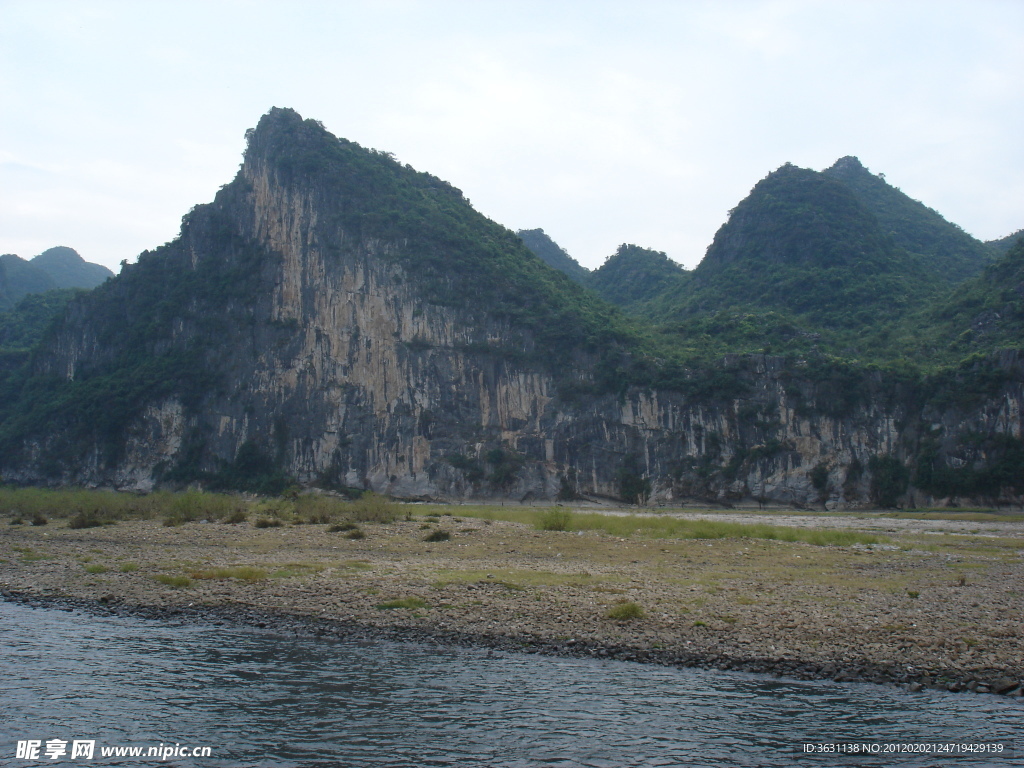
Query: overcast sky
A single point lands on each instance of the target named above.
(601, 122)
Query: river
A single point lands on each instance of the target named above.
(249, 698)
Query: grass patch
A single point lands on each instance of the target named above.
(407, 603)
(438, 535)
(625, 612)
(95, 568)
(968, 515)
(342, 527)
(355, 534)
(515, 578)
(664, 527)
(291, 570)
(129, 567)
(173, 581)
(267, 522)
(242, 572)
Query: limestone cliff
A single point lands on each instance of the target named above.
(307, 325)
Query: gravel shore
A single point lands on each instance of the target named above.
(941, 605)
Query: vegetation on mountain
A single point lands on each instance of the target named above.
(949, 252)
(633, 276)
(548, 251)
(24, 325)
(1003, 244)
(69, 270)
(22, 278)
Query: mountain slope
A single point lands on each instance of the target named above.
(914, 227)
(548, 251)
(69, 270)
(1003, 244)
(980, 316)
(23, 278)
(633, 276)
(803, 244)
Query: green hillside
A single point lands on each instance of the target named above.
(548, 251)
(69, 270)
(634, 276)
(947, 250)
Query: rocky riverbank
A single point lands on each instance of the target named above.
(936, 605)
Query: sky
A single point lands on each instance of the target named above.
(601, 122)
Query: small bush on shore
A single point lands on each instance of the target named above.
(438, 535)
(355, 533)
(38, 519)
(267, 522)
(555, 519)
(342, 527)
(625, 612)
(92, 519)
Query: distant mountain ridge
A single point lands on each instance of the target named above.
(58, 267)
(808, 260)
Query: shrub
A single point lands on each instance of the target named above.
(342, 527)
(554, 519)
(267, 522)
(355, 534)
(38, 519)
(93, 519)
(438, 535)
(625, 612)
(236, 517)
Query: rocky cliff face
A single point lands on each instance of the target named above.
(294, 342)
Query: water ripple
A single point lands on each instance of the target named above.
(268, 701)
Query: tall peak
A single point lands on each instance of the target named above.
(847, 166)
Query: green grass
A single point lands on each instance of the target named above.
(408, 603)
(625, 612)
(969, 515)
(664, 527)
(242, 572)
(87, 508)
(96, 568)
(129, 567)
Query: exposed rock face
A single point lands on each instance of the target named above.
(328, 362)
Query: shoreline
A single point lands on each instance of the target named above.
(339, 629)
(507, 587)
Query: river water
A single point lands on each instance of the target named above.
(258, 699)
